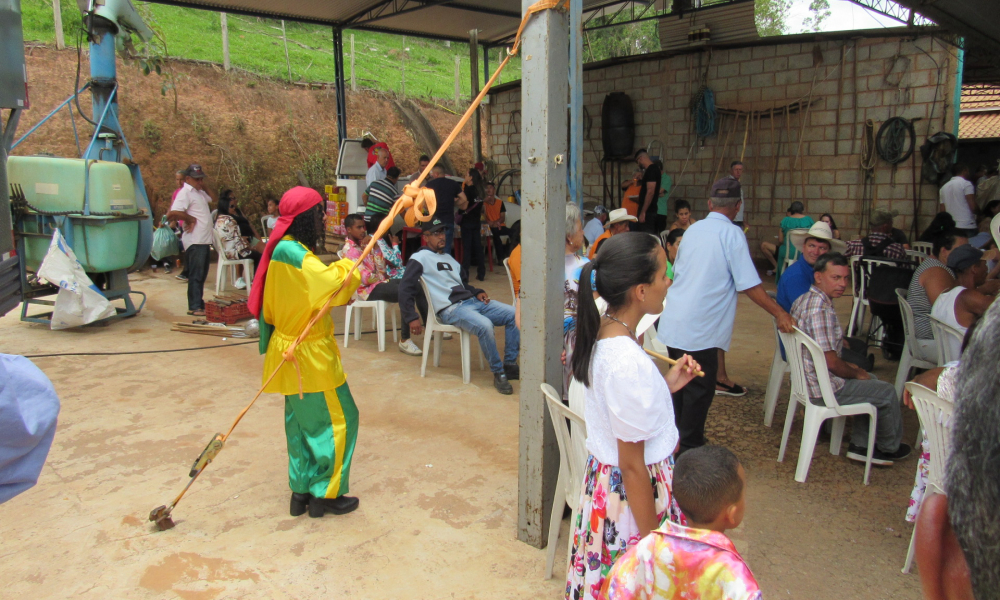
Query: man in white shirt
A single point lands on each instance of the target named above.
(595, 227)
(958, 198)
(713, 264)
(377, 171)
(191, 206)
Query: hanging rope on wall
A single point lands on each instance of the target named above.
(703, 110)
(867, 166)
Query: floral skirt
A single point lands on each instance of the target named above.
(604, 528)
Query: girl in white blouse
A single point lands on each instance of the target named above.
(629, 412)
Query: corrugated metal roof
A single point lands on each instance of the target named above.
(496, 20)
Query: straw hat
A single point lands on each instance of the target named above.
(820, 231)
(617, 216)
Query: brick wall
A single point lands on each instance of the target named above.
(895, 77)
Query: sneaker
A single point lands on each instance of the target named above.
(408, 347)
(446, 336)
(502, 385)
(240, 284)
(166, 269)
(880, 458)
(512, 371)
(180, 277)
(729, 390)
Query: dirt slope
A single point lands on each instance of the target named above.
(250, 134)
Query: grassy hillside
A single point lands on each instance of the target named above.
(381, 61)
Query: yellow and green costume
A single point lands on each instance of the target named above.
(321, 427)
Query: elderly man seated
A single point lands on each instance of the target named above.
(851, 384)
(879, 242)
(457, 303)
(798, 277)
(618, 222)
(961, 305)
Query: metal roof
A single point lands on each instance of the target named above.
(496, 20)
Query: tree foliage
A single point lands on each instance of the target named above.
(772, 16)
(820, 10)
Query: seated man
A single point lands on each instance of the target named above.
(380, 196)
(595, 226)
(930, 279)
(963, 304)
(879, 242)
(618, 222)
(697, 561)
(457, 303)
(377, 283)
(494, 209)
(851, 384)
(798, 277)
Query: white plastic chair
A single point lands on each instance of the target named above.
(378, 316)
(925, 248)
(915, 355)
(221, 270)
(935, 419)
(995, 229)
(578, 404)
(792, 254)
(264, 229)
(436, 329)
(571, 465)
(510, 281)
(948, 341)
(779, 366)
(816, 414)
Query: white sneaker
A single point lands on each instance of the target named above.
(446, 336)
(240, 284)
(408, 347)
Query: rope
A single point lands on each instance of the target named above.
(867, 165)
(419, 204)
(703, 108)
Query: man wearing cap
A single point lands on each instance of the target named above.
(879, 242)
(618, 222)
(457, 303)
(713, 264)
(649, 192)
(963, 304)
(595, 227)
(191, 206)
(798, 277)
(958, 198)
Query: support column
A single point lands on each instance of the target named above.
(576, 102)
(340, 81)
(477, 143)
(543, 176)
(224, 23)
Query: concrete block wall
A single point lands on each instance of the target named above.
(802, 156)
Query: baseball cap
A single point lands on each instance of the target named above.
(883, 216)
(727, 187)
(617, 216)
(963, 257)
(432, 226)
(194, 171)
(600, 210)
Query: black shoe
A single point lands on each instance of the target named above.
(871, 365)
(878, 457)
(512, 371)
(298, 504)
(340, 505)
(502, 385)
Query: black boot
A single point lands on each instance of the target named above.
(337, 506)
(298, 504)
(512, 371)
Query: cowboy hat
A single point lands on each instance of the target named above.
(820, 231)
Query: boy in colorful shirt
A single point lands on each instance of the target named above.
(695, 562)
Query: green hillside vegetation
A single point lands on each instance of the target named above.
(382, 61)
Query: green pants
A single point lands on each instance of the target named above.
(321, 429)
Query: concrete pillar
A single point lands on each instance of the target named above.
(477, 150)
(544, 92)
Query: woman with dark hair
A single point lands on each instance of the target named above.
(828, 219)
(673, 241)
(470, 211)
(629, 411)
(942, 223)
(321, 424)
(235, 244)
(682, 210)
(776, 253)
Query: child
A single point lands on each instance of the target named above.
(697, 561)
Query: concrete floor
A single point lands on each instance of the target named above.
(435, 468)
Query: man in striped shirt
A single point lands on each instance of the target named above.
(381, 195)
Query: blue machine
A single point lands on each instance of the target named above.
(93, 222)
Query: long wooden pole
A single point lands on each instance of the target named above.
(669, 361)
(284, 40)
(224, 22)
(57, 18)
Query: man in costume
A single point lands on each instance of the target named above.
(321, 419)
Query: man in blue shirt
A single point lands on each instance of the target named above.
(798, 277)
(713, 265)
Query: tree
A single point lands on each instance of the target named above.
(771, 16)
(820, 10)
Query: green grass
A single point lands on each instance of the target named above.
(381, 60)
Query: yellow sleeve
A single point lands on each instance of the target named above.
(323, 280)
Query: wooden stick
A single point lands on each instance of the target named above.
(840, 98)
(670, 361)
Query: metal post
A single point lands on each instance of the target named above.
(543, 176)
(477, 149)
(284, 41)
(224, 21)
(576, 101)
(340, 82)
(957, 100)
(486, 63)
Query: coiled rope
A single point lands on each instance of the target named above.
(891, 142)
(703, 109)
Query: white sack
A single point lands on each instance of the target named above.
(79, 301)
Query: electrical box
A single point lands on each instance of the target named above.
(13, 76)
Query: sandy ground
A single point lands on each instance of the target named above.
(435, 468)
